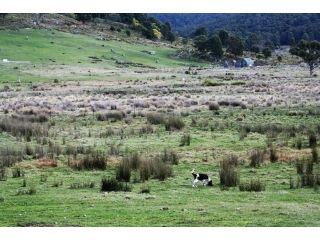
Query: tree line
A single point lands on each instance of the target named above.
(149, 27)
(212, 46)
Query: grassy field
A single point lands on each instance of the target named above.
(67, 130)
(31, 49)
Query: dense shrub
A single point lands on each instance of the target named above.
(174, 122)
(255, 185)
(213, 106)
(229, 175)
(155, 118)
(112, 185)
(112, 115)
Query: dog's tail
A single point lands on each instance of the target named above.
(210, 182)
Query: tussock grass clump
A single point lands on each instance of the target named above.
(78, 185)
(145, 169)
(29, 150)
(112, 115)
(114, 149)
(306, 176)
(169, 156)
(209, 83)
(9, 155)
(31, 191)
(3, 173)
(300, 167)
(273, 155)
(155, 118)
(112, 185)
(310, 180)
(43, 178)
(31, 117)
(312, 140)
(174, 123)
(123, 171)
(23, 128)
(57, 183)
(24, 183)
(298, 143)
(255, 185)
(315, 155)
(95, 160)
(238, 83)
(185, 140)
(145, 189)
(108, 133)
(256, 158)
(134, 160)
(17, 172)
(213, 106)
(146, 129)
(229, 175)
(161, 170)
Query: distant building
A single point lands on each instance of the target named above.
(244, 62)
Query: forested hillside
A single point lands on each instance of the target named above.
(279, 28)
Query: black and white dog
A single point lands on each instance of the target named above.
(206, 180)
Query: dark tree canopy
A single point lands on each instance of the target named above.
(200, 42)
(3, 15)
(252, 42)
(223, 35)
(309, 51)
(235, 45)
(201, 31)
(266, 52)
(214, 45)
